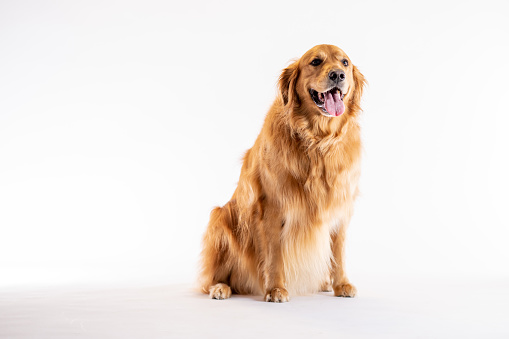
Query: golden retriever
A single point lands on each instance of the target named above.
(283, 231)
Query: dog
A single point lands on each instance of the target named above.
(283, 231)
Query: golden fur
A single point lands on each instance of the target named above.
(283, 230)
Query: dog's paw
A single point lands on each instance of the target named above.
(345, 290)
(277, 295)
(220, 291)
(326, 287)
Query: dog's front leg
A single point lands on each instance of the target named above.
(340, 282)
(274, 271)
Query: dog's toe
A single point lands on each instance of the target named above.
(345, 290)
(326, 287)
(220, 291)
(277, 295)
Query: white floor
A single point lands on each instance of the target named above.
(382, 310)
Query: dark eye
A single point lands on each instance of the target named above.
(345, 62)
(316, 62)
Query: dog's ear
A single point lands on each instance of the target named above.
(359, 84)
(287, 82)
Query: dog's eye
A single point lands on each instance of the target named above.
(316, 62)
(345, 62)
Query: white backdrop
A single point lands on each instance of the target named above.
(123, 123)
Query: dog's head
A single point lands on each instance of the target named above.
(323, 82)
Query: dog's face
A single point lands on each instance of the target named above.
(323, 81)
(326, 74)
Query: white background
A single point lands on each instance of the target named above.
(123, 123)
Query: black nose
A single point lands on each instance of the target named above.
(335, 75)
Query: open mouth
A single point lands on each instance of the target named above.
(330, 102)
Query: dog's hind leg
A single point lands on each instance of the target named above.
(326, 284)
(218, 255)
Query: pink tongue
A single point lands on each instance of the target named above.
(333, 103)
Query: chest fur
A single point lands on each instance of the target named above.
(316, 204)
